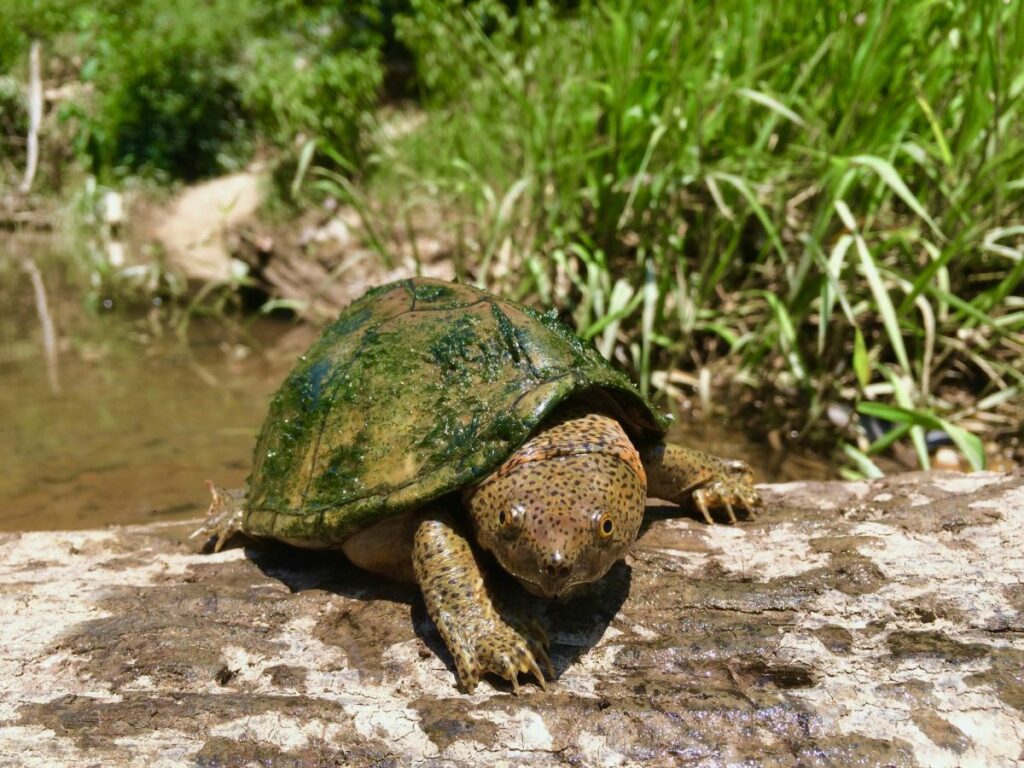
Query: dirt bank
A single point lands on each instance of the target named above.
(317, 264)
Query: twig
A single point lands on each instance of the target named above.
(46, 321)
(35, 117)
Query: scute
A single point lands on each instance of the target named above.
(419, 388)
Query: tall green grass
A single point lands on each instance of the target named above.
(817, 203)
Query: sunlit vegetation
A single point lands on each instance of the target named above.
(184, 89)
(813, 214)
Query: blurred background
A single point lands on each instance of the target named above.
(798, 227)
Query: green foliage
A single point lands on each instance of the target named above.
(13, 110)
(23, 20)
(189, 88)
(168, 101)
(826, 197)
(317, 78)
(817, 203)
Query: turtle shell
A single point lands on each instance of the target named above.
(419, 388)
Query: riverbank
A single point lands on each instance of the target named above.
(314, 263)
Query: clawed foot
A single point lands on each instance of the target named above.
(732, 489)
(224, 518)
(506, 651)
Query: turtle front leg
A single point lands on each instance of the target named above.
(684, 475)
(479, 638)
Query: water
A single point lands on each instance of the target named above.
(141, 419)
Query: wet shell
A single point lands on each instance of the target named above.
(418, 389)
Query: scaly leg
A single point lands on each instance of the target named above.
(683, 475)
(224, 518)
(478, 637)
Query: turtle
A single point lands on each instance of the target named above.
(433, 429)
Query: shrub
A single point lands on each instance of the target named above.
(317, 78)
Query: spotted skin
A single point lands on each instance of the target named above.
(564, 507)
(687, 476)
(479, 638)
(557, 514)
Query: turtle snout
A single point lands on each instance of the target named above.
(557, 566)
(557, 572)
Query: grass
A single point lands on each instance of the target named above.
(818, 207)
(810, 213)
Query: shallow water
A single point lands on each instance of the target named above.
(141, 418)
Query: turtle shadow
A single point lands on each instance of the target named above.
(328, 570)
(367, 624)
(576, 625)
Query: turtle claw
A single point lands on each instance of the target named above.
(729, 493)
(539, 644)
(537, 674)
(509, 651)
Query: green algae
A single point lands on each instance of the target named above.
(418, 389)
(430, 292)
(348, 323)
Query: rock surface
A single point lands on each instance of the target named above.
(215, 233)
(870, 623)
(193, 228)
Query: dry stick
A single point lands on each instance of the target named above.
(46, 321)
(35, 116)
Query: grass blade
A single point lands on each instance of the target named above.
(970, 445)
(787, 338)
(650, 293)
(741, 186)
(894, 181)
(902, 389)
(861, 366)
(933, 123)
(773, 104)
(877, 286)
(865, 465)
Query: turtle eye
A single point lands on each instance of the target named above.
(507, 518)
(605, 526)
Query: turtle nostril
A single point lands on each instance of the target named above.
(557, 567)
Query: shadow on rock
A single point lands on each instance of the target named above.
(376, 613)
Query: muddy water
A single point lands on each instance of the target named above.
(139, 418)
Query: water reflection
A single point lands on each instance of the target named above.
(140, 419)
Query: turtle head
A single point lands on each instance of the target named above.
(559, 522)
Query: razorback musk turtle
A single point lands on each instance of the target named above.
(432, 420)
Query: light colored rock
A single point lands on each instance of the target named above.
(212, 233)
(195, 228)
(875, 623)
